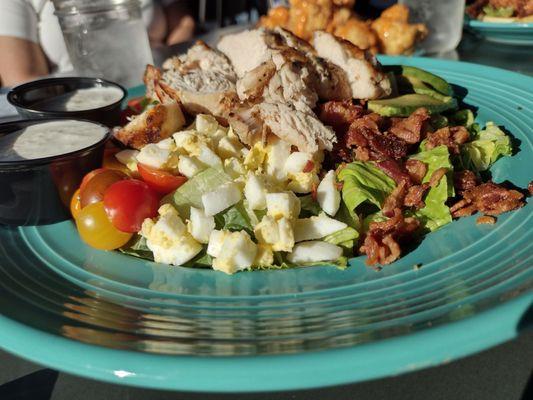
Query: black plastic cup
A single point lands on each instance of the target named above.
(38, 191)
(27, 97)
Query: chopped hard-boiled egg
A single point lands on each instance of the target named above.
(168, 238)
(255, 192)
(264, 256)
(153, 156)
(189, 166)
(255, 157)
(166, 144)
(237, 252)
(284, 204)
(302, 182)
(316, 227)
(206, 124)
(200, 226)
(234, 168)
(229, 147)
(128, 157)
(327, 194)
(216, 239)
(297, 162)
(314, 251)
(186, 141)
(208, 156)
(276, 233)
(277, 154)
(225, 196)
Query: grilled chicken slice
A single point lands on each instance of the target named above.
(366, 79)
(329, 80)
(301, 129)
(247, 124)
(202, 81)
(154, 124)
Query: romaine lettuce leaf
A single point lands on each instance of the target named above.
(309, 207)
(502, 12)
(364, 182)
(436, 213)
(490, 144)
(234, 219)
(137, 247)
(190, 193)
(347, 234)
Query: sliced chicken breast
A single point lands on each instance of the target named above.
(366, 79)
(301, 129)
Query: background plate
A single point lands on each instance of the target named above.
(112, 317)
(517, 33)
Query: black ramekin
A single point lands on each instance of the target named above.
(25, 96)
(38, 191)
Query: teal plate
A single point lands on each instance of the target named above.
(515, 33)
(112, 317)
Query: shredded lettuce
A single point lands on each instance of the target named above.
(501, 12)
(345, 238)
(309, 207)
(488, 146)
(137, 247)
(364, 182)
(234, 219)
(190, 193)
(436, 213)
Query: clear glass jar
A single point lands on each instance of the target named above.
(105, 38)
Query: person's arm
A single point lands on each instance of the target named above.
(20, 60)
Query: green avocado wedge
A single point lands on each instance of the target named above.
(410, 84)
(405, 105)
(436, 82)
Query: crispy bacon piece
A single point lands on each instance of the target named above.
(415, 195)
(395, 199)
(452, 137)
(436, 176)
(413, 128)
(395, 171)
(416, 170)
(464, 180)
(382, 241)
(365, 132)
(486, 219)
(488, 198)
(340, 114)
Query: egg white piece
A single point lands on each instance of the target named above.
(255, 192)
(238, 252)
(225, 196)
(327, 194)
(153, 156)
(200, 226)
(284, 204)
(296, 162)
(128, 157)
(314, 251)
(316, 227)
(189, 166)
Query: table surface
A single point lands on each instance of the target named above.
(504, 372)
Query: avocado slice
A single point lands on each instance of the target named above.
(439, 84)
(410, 84)
(405, 105)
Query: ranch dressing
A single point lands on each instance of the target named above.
(81, 99)
(49, 139)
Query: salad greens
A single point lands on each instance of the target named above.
(487, 147)
(362, 182)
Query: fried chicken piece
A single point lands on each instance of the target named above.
(395, 34)
(277, 16)
(340, 16)
(308, 16)
(359, 33)
(153, 125)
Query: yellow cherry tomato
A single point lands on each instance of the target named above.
(96, 229)
(75, 204)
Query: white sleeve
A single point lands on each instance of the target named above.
(19, 19)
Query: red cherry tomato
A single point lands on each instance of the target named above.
(128, 202)
(89, 176)
(94, 189)
(309, 166)
(161, 181)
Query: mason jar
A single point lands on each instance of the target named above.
(105, 38)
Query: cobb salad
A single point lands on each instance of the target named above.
(299, 172)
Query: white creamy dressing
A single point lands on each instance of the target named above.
(49, 139)
(81, 99)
